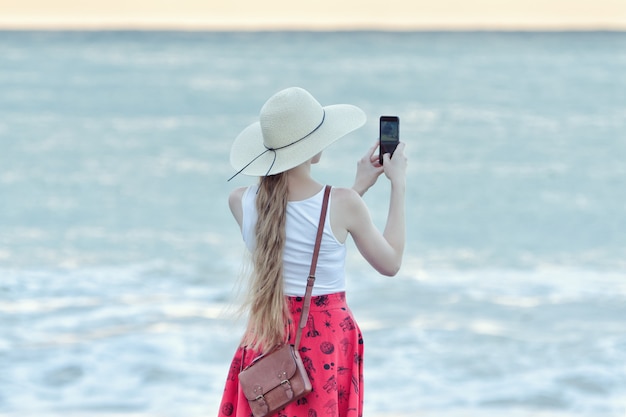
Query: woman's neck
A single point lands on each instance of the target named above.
(300, 183)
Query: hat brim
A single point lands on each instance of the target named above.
(248, 149)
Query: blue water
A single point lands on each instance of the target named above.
(119, 258)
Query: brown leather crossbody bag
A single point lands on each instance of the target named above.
(279, 377)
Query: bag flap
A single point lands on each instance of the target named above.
(267, 372)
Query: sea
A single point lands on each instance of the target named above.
(120, 263)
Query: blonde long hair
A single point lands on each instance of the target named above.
(268, 314)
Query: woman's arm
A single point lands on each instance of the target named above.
(383, 251)
(368, 169)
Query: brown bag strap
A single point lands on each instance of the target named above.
(311, 279)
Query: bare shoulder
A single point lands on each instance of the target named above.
(236, 195)
(344, 195)
(234, 202)
(346, 198)
(348, 207)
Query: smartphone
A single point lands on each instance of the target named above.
(389, 135)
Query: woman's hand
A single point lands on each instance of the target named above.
(368, 170)
(384, 251)
(395, 168)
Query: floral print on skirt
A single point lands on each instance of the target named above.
(332, 352)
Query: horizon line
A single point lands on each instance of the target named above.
(239, 26)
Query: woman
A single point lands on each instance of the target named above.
(279, 219)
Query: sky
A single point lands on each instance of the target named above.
(318, 14)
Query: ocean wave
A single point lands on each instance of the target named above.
(550, 341)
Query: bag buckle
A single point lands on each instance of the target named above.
(259, 391)
(282, 377)
(260, 400)
(284, 382)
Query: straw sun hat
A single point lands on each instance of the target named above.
(292, 128)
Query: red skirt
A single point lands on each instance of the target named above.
(332, 352)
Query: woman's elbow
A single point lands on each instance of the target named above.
(391, 269)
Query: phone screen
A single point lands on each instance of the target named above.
(389, 135)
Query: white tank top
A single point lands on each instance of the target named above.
(301, 228)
